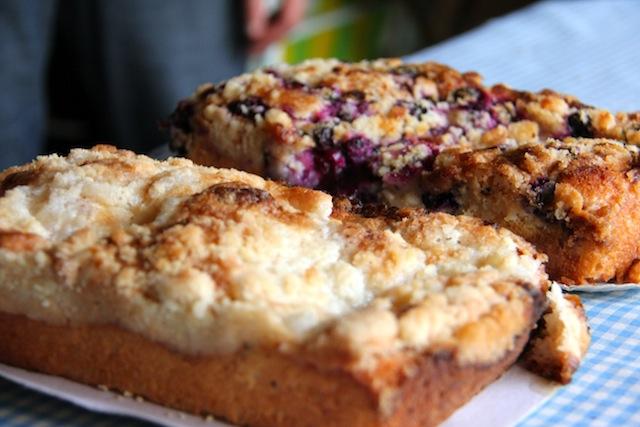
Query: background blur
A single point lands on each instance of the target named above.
(358, 29)
(79, 72)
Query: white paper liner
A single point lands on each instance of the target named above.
(104, 401)
(600, 287)
(522, 390)
(505, 402)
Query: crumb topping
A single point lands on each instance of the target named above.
(552, 176)
(210, 260)
(399, 117)
(576, 199)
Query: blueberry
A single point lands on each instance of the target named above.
(181, 117)
(414, 108)
(418, 110)
(543, 191)
(331, 110)
(443, 202)
(404, 175)
(580, 124)
(359, 149)
(330, 163)
(347, 111)
(347, 106)
(467, 97)
(307, 176)
(323, 136)
(362, 108)
(248, 108)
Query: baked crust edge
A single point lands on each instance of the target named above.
(255, 387)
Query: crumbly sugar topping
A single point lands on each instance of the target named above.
(379, 124)
(209, 260)
(551, 175)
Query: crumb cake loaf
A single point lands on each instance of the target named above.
(217, 292)
(373, 130)
(578, 200)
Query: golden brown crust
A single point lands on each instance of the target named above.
(16, 241)
(577, 200)
(253, 387)
(237, 275)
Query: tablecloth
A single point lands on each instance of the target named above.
(590, 49)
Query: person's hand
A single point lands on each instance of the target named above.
(262, 29)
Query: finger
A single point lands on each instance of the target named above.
(290, 15)
(292, 12)
(271, 35)
(255, 19)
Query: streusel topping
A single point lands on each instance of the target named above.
(210, 260)
(357, 128)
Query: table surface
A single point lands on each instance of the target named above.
(586, 48)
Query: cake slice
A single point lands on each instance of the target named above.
(217, 292)
(577, 200)
(560, 343)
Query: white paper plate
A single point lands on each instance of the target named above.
(601, 287)
(523, 390)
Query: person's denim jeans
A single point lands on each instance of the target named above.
(135, 59)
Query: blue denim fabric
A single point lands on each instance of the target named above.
(131, 61)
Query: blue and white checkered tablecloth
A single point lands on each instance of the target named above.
(21, 407)
(587, 48)
(606, 389)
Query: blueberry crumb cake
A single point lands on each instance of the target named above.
(218, 292)
(374, 129)
(577, 200)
